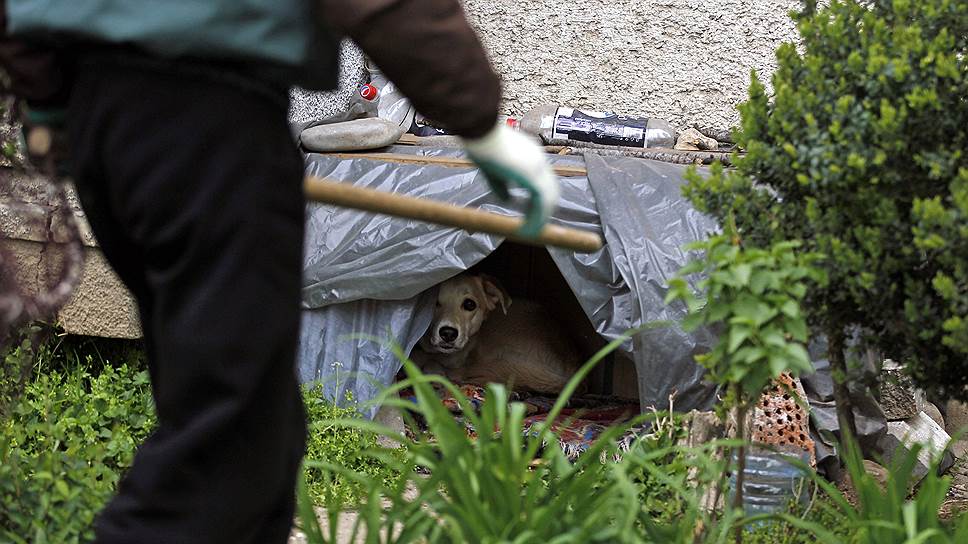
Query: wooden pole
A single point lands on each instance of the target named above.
(440, 213)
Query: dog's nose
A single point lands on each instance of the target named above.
(448, 334)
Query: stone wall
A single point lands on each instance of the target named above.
(100, 306)
(687, 61)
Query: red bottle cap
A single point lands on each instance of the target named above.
(369, 92)
(512, 122)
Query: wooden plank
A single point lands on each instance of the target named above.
(450, 162)
(442, 213)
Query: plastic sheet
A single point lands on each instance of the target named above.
(370, 274)
(352, 256)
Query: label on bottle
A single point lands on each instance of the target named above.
(600, 128)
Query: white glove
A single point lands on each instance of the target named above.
(506, 158)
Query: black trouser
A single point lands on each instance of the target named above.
(193, 188)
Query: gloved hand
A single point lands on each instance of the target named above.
(507, 158)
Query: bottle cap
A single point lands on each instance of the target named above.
(512, 122)
(369, 92)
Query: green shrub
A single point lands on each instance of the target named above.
(65, 440)
(506, 486)
(339, 445)
(861, 154)
(891, 513)
(752, 297)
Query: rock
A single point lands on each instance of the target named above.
(899, 399)
(693, 140)
(356, 135)
(877, 471)
(781, 420)
(959, 449)
(919, 429)
(932, 411)
(389, 417)
(701, 428)
(956, 417)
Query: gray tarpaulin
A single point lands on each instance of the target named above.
(364, 273)
(369, 274)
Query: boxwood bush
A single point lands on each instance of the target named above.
(860, 152)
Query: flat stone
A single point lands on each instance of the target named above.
(876, 470)
(934, 413)
(389, 417)
(356, 135)
(693, 140)
(956, 417)
(920, 429)
(24, 221)
(959, 449)
(701, 428)
(899, 399)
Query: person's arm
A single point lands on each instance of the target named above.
(428, 49)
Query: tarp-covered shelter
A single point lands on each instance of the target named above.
(374, 275)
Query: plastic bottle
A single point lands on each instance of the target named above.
(561, 125)
(770, 482)
(390, 102)
(364, 103)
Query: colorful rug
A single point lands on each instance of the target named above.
(579, 425)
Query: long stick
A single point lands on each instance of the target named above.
(430, 211)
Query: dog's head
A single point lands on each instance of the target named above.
(463, 302)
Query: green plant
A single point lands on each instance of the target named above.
(860, 153)
(509, 486)
(339, 445)
(888, 513)
(821, 512)
(752, 296)
(66, 438)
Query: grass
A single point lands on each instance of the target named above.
(74, 410)
(346, 447)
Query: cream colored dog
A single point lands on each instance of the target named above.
(469, 341)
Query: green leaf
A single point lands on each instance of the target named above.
(62, 488)
(742, 273)
(790, 308)
(797, 329)
(737, 335)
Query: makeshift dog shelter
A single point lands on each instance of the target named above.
(368, 276)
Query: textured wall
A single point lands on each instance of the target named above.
(101, 306)
(687, 61)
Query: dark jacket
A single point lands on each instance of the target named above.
(425, 46)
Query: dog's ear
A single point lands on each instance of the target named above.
(494, 293)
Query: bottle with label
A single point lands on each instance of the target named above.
(364, 103)
(560, 125)
(390, 102)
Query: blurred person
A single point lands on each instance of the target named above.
(172, 118)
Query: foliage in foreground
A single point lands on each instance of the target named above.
(507, 487)
(890, 513)
(70, 422)
(66, 437)
(503, 486)
(342, 446)
(752, 297)
(861, 154)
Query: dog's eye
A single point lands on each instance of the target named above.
(469, 305)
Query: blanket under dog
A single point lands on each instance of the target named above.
(579, 425)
